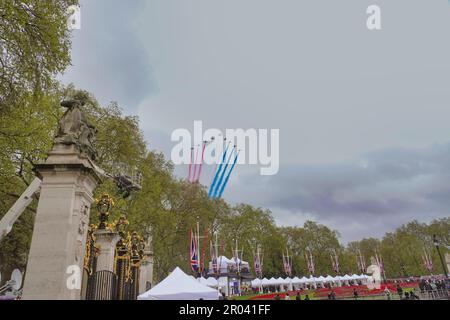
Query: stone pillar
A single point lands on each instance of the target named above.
(447, 261)
(146, 274)
(106, 240)
(55, 260)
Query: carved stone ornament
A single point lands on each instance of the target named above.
(73, 128)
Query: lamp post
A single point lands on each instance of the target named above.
(436, 244)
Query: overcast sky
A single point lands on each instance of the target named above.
(363, 115)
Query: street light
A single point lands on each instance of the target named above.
(436, 244)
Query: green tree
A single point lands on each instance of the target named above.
(34, 48)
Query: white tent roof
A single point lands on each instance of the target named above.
(296, 280)
(320, 279)
(256, 283)
(329, 278)
(210, 282)
(179, 286)
(234, 260)
(280, 280)
(346, 277)
(303, 279)
(265, 282)
(355, 276)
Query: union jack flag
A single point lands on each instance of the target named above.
(257, 264)
(214, 264)
(361, 262)
(334, 261)
(379, 262)
(193, 253)
(310, 261)
(287, 265)
(427, 261)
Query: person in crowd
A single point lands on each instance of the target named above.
(277, 297)
(387, 292)
(406, 295)
(287, 296)
(355, 294)
(399, 291)
(298, 296)
(422, 286)
(307, 297)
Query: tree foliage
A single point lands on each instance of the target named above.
(34, 47)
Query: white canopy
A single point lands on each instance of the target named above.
(320, 279)
(179, 286)
(280, 281)
(210, 282)
(265, 282)
(256, 283)
(304, 279)
(346, 277)
(224, 263)
(237, 260)
(329, 278)
(296, 280)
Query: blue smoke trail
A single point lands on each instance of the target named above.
(223, 174)
(228, 176)
(218, 172)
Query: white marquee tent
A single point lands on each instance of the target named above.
(256, 283)
(210, 282)
(296, 280)
(179, 286)
(281, 281)
(320, 279)
(330, 278)
(265, 282)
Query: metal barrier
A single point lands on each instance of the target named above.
(443, 294)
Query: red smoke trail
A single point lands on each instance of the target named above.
(190, 164)
(195, 164)
(201, 162)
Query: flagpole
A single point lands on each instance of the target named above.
(198, 247)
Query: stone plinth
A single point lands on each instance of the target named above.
(106, 241)
(55, 261)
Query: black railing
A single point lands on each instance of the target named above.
(102, 286)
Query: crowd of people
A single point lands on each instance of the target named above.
(434, 288)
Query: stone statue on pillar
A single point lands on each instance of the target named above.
(73, 128)
(69, 177)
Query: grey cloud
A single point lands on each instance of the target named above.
(107, 55)
(388, 188)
